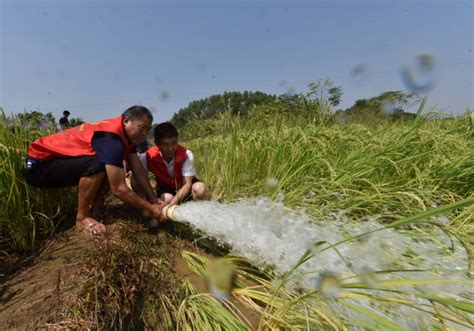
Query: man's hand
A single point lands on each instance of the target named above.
(174, 201)
(154, 200)
(141, 177)
(156, 211)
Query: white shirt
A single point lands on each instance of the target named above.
(188, 165)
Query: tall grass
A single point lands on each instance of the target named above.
(26, 213)
(387, 170)
(395, 172)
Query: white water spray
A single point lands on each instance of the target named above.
(269, 235)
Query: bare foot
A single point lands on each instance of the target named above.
(90, 226)
(99, 207)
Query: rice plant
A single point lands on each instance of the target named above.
(402, 174)
(26, 213)
(359, 301)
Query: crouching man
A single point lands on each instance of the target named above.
(173, 167)
(90, 155)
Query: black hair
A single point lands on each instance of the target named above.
(165, 130)
(135, 112)
(66, 112)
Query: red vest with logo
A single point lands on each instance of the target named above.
(158, 167)
(76, 141)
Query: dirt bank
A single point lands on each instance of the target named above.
(46, 291)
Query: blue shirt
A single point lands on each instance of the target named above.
(109, 148)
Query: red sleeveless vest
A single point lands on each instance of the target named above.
(76, 141)
(157, 166)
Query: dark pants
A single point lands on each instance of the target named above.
(61, 172)
(172, 191)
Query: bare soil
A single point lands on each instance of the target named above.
(40, 291)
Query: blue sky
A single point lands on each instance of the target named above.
(96, 58)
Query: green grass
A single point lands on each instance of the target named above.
(26, 213)
(401, 173)
(390, 170)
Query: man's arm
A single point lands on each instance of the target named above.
(183, 191)
(141, 177)
(119, 188)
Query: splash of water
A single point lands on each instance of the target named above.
(359, 75)
(421, 77)
(270, 235)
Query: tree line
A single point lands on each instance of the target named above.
(322, 97)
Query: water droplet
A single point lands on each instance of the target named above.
(44, 124)
(221, 275)
(213, 76)
(268, 30)
(162, 237)
(368, 277)
(164, 95)
(389, 107)
(359, 75)
(280, 197)
(421, 77)
(244, 177)
(116, 76)
(328, 284)
(316, 247)
(282, 83)
(271, 183)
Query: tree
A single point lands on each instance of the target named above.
(37, 119)
(75, 122)
(210, 107)
(325, 93)
(389, 105)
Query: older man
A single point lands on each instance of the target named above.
(89, 155)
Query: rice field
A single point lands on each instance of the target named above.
(400, 174)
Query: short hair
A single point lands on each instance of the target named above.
(66, 112)
(165, 130)
(135, 112)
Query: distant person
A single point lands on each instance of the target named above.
(64, 121)
(173, 167)
(90, 155)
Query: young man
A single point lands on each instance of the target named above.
(89, 155)
(63, 121)
(173, 167)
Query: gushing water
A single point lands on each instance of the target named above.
(270, 235)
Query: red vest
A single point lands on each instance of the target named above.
(76, 141)
(157, 166)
